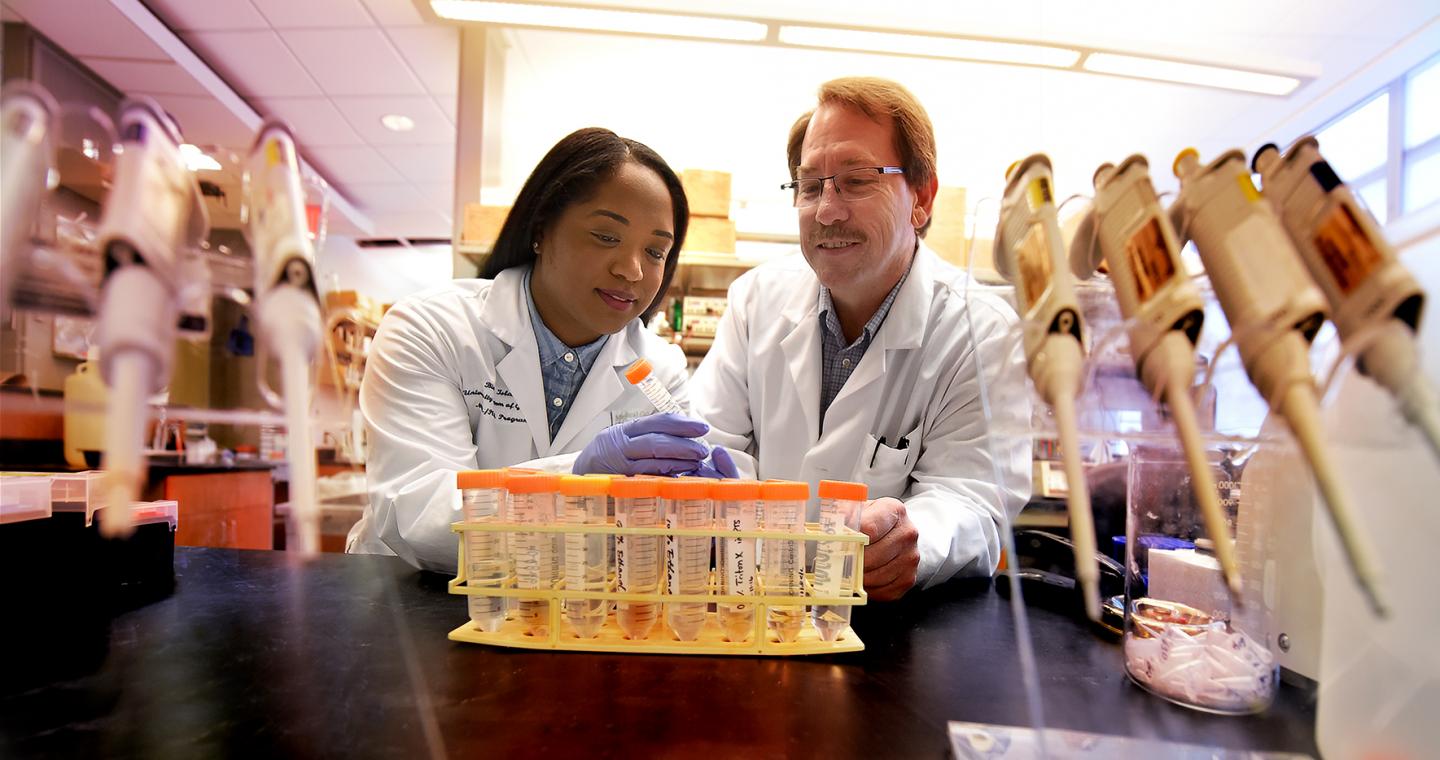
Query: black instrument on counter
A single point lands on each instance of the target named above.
(1045, 567)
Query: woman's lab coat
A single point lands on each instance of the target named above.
(917, 387)
(453, 383)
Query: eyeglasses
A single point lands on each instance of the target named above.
(850, 185)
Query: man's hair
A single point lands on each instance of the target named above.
(879, 98)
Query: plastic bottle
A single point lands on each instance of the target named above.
(782, 561)
(582, 499)
(686, 503)
(735, 507)
(482, 492)
(841, 505)
(85, 399)
(531, 501)
(639, 375)
(637, 558)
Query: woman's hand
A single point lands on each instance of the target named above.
(661, 444)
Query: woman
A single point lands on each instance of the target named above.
(524, 365)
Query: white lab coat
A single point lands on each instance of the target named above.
(759, 388)
(453, 383)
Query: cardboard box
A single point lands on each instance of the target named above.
(947, 234)
(707, 191)
(710, 235)
(483, 223)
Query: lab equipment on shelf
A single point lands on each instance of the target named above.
(711, 608)
(1031, 255)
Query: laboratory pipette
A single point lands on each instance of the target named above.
(1274, 310)
(782, 561)
(482, 496)
(1031, 256)
(735, 507)
(1357, 269)
(153, 211)
(288, 306)
(637, 558)
(1163, 311)
(687, 504)
(27, 116)
(582, 502)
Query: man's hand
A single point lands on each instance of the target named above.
(893, 556)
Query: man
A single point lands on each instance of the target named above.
(863, 361)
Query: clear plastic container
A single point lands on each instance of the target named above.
(638, 560)
(531, 501)
(736, 509)
(686, 503)
(24, 497)
(782, 561)
(639, 375)
(482, 493)
(833, 571)
(1184, 641)
(582, 502)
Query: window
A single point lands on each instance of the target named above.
(1387, 147)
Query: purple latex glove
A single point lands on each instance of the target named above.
(661, 444)
(717, 465)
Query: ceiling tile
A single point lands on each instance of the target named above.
(204, 121)
(288, 14)
(422, 163)
(431, 125)
(451, 106)
(256, 64)
(346, 165)
(353, 61)
(395, 12)
(145, 77)
(315, 120)
(388, 197)
(106, 32)
(440, 195)
(434, 53)
(190, 16)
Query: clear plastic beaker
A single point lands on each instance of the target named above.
(1185, 641)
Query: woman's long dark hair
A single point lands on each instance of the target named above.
(569, 174)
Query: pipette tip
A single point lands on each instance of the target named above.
(1091, 588)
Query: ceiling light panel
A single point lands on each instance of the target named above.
(1190, 73)
(929, 45)
(600, 20)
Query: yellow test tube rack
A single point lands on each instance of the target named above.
(711, 640)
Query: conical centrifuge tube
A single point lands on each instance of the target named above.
(288, 305)
(1274, 311)
(1130, 231)
(1357, 270)
(153, 211)
(1031, 256)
